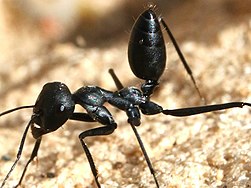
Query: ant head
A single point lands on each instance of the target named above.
(52, 109)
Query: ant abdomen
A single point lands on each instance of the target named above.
(146, 50)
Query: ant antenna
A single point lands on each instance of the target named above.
(15, 109)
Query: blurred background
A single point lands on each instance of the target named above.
(77, 41)
(33, 32)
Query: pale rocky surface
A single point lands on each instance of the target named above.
(208, 150)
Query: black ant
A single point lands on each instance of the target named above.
(147, 56)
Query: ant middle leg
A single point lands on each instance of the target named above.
(103, 116)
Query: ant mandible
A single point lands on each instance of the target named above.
(147, 58)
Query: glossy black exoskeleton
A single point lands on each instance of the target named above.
(147, 51)
(56, 104)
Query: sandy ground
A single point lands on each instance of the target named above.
(208, 150)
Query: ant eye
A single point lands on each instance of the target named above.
(62, 108)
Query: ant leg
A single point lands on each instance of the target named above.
(33, 155)
(116, 80)
(103, 116)
(203, 109)
(182, 58)
(82, 117)
(95, 132)
(151, 108)
(148, 161)
(134, 120)
(20, 149)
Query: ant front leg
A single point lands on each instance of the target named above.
(103, 116)
(20, 150)
(33, 155)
